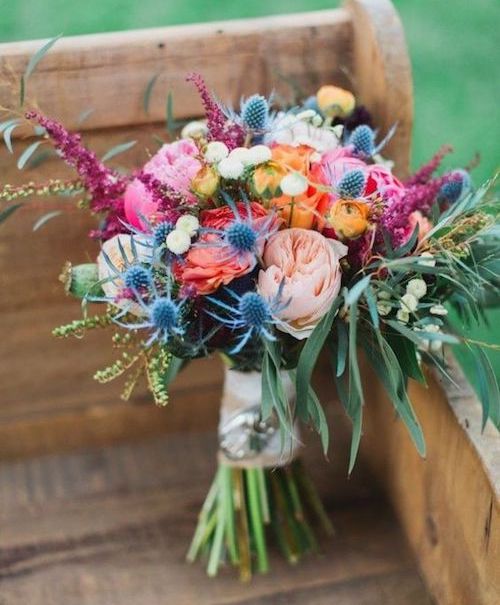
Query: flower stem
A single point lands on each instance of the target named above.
(254, 508)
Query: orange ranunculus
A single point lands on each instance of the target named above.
(349, 218)
(308, 209)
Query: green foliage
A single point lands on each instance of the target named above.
(32, 63)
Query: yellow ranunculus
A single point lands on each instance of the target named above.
(205, 182)
(335, 102)
(266, 179)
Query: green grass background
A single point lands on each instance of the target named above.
(453, 47)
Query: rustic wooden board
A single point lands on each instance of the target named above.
(110, 72)
(449, 503)
(111, 526)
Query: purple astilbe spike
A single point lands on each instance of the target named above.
(425, 172)
(219, 127)
(167, 200)
(105, 186)
(421, 197)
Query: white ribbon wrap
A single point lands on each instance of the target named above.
(246, 441)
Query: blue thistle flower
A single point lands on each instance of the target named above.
(252, 315)
(137, 276)
(255, 112)
(453, 190)
(352, 184)
(160, 233)
(241, 236)
(162, 315)
(363, 139)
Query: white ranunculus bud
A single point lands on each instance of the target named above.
(240, 154)
(215, 152)
(384, 295)
(409, 302)
(384, 308)
(417, 287)
(258, 154)
(306, 115)
(403, 316)
(438, 310)
(188, 223)
(427, 260)
(178, 241)
(194, 130)
(230, 168)
(294, 184)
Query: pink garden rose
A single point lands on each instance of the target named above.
(175, 165)
(308, 265)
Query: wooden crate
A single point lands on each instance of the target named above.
(95, 507)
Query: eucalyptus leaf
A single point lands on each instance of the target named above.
(117, 149)
(146, 100)
(355, 292)
(45, 219)
(27, 153)
(6, 212)
(312, 349)
(33, 62)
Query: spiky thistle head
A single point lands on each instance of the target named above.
(137, 277)
(363, 139)
(254, 310)
(452, 190)
(241, 237)
(164, 314)
(161, 231)
(255, 112)
(352, 184)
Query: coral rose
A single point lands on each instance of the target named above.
(308, 209)
(349, 218)
(308, 266)
(174, 165)
(207, 267)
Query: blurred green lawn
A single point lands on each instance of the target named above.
(453, 46)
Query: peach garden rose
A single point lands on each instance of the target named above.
(308, 264)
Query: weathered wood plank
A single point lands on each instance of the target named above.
(110, 72)
(449, 503)
(112, 526)
(383, 74)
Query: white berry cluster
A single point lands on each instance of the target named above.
(179, 240)
(231, 164)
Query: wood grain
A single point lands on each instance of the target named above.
(111, 526)
(109, 73)
(383, 74)
(449, 503)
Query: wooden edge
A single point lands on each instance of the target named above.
(448, 504)
(236, 58)
(383, 74)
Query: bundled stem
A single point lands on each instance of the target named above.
(244, 504)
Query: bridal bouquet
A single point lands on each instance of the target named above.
(268, 235)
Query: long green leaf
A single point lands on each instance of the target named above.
(27, 153)
(386, 365)
(312, 349)
(355, 292)
(45, 219)
(33, 62)
(146, 100)
(117, 149)
(6, 212)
